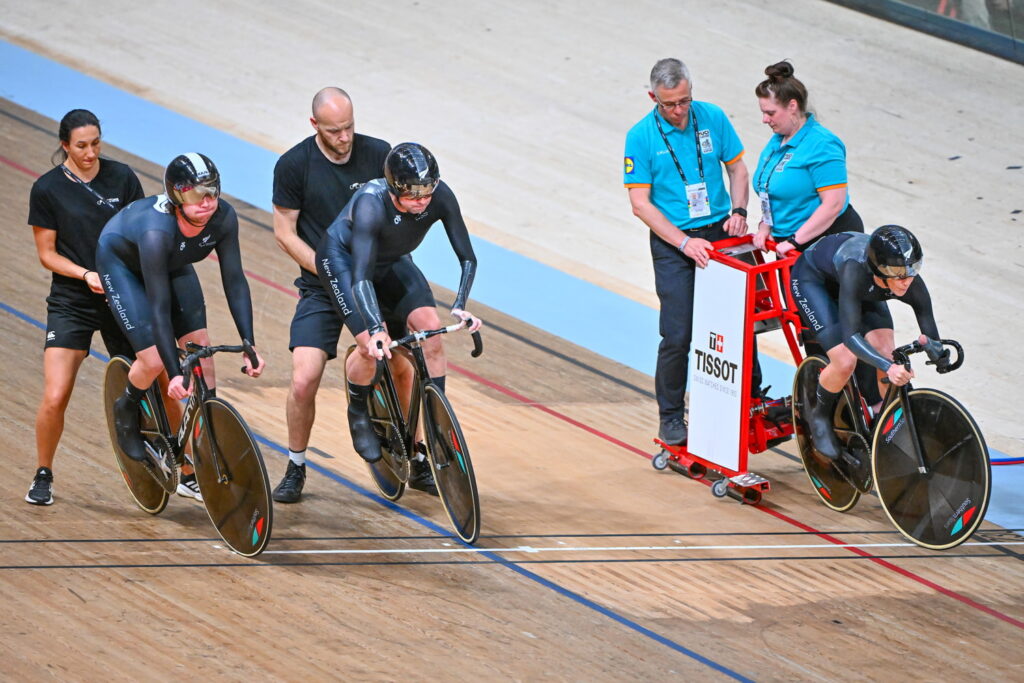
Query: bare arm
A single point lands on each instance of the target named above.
(739, 192)
(824, 216)
(46, 245)
(640, 199)
(286, 232)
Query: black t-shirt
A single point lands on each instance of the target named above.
(59, 203)
(306, 180)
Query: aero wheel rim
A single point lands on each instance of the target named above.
(943, 507)
(236, 490)
(833, 490)
(147, 493)
(390, 472)
(452, 469)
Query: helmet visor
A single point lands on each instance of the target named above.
(901, 271)
(194, 194)
(416, 191)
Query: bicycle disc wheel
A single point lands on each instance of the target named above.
(392, 470)
(389, 473)
(232, 478)
(941, 508)
(832, 488)
(451, 465)
(148, 494)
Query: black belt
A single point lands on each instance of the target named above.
(717, 223)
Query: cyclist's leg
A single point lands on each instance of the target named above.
(820, 314)
(62, 357)
(878, 322)
(405, 291)
(360, 369)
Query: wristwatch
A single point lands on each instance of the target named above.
(740, 211)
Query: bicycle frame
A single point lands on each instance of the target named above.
(194, 408)
(901, 356)
(413, 343)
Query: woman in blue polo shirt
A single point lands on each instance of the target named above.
(801, 175)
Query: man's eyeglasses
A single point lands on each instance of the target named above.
(675, 105)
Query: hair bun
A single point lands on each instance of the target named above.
(779, 71)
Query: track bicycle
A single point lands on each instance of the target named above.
(229, 467)
(445, 445)
(929, 464)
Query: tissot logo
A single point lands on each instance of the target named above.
(716, 342)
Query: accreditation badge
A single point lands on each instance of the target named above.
(705, 142)
(766, 209)
(697, 200)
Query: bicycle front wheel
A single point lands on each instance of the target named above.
(232, 478)
(943, 506)
(148, 494)
(831, 487)
(451, 465)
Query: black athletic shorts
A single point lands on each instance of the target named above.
(126, 298)
(70, 324)
(819, 307)
(317, 323)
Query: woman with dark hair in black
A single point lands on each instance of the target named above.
(68, 208)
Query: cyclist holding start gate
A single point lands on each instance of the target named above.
(842, 284)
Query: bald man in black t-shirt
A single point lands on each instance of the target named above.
(313, 182)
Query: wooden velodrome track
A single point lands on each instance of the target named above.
(591, 565)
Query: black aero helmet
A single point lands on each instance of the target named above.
(411, 170)
(190, 177)
(893, 251)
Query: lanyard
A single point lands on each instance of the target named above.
(773, 166)
(100, 199)
(672, 152)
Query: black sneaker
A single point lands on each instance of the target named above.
(421, 478)
(41, 492)
(673, 431)
(290, 488)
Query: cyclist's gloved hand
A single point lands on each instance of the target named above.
(936, 352)
(474, 323)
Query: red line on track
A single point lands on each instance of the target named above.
(633, 449)
(16, 165)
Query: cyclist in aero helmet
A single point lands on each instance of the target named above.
(842, 284)
(365, 262)
(145, 258)
(411, 171)
(189, 178)
(894, 252)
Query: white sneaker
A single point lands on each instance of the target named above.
(188, 487)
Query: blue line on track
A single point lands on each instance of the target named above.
(424, 522)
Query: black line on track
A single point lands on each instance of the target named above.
(488, 562)
(437, 538)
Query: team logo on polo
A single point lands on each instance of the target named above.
(628, 164)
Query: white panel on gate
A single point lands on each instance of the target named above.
(716, 364)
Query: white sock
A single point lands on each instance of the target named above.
(297, 457)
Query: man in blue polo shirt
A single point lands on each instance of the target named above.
(673, 172)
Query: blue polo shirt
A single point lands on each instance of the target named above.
(649, 164)
(813, 160)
